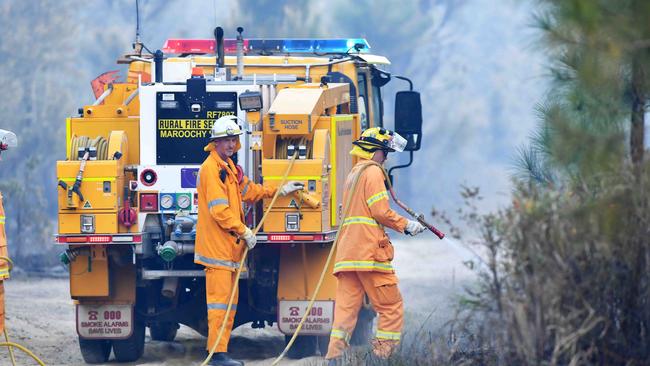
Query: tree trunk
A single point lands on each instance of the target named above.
(637, 132)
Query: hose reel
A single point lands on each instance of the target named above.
(84, 148)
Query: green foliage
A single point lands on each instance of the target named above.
(600, 54)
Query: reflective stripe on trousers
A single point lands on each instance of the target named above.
(216, 262)
(385, 334)
(341, 334)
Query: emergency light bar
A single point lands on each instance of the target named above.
(208, 46)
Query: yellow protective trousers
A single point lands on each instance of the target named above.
(385, 298)
(218, 284)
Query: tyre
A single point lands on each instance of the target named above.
(130, 349)
(303, 346)
(363, 330)
(323, 343)
(165, 331)
(95, 351)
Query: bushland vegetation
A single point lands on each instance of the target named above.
(567, 281)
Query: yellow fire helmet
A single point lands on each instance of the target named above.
(225, 126)
(377, 138)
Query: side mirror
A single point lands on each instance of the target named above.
(408, 118)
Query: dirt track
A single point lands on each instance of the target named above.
(40, 314)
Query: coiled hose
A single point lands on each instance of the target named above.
(99, 142)
(243, 259)
(282, 144)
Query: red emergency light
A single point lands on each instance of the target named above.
(99, 239)
(200, 46)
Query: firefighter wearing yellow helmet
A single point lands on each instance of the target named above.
(7, 140)
(221, 232)
(364, 252)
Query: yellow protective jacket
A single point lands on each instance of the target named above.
(4, 265)
(363, 244)
(221, 216)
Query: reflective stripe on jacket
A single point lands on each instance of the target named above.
(363, 244)
(221, 216)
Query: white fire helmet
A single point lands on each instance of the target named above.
(7, 139)
(225, 126)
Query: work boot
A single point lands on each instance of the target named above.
(222, 359)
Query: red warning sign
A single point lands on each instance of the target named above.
(104, 321)
(318, 322)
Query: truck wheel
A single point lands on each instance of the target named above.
(323, 343)
(94, 351)
(130, 349)
(165, 331)
(303, 346)
(363, 330)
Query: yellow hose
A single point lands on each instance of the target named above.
(11, 349)
(241, 262)
(24, 349)
(9, 344)
(346, 207)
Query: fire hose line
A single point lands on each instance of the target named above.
(10, 344)
(243, 259)
(346, 207)
(22, 348)
(336, 240)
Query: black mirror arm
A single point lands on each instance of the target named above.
(390, 171)
(405, 79)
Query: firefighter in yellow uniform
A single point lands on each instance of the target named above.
(7, 139)
(221, 232)
(364, 252)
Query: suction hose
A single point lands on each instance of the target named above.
(243, 259)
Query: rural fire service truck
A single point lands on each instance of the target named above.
(127, 201)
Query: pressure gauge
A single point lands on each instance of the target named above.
(184, 201)
(166, 201)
